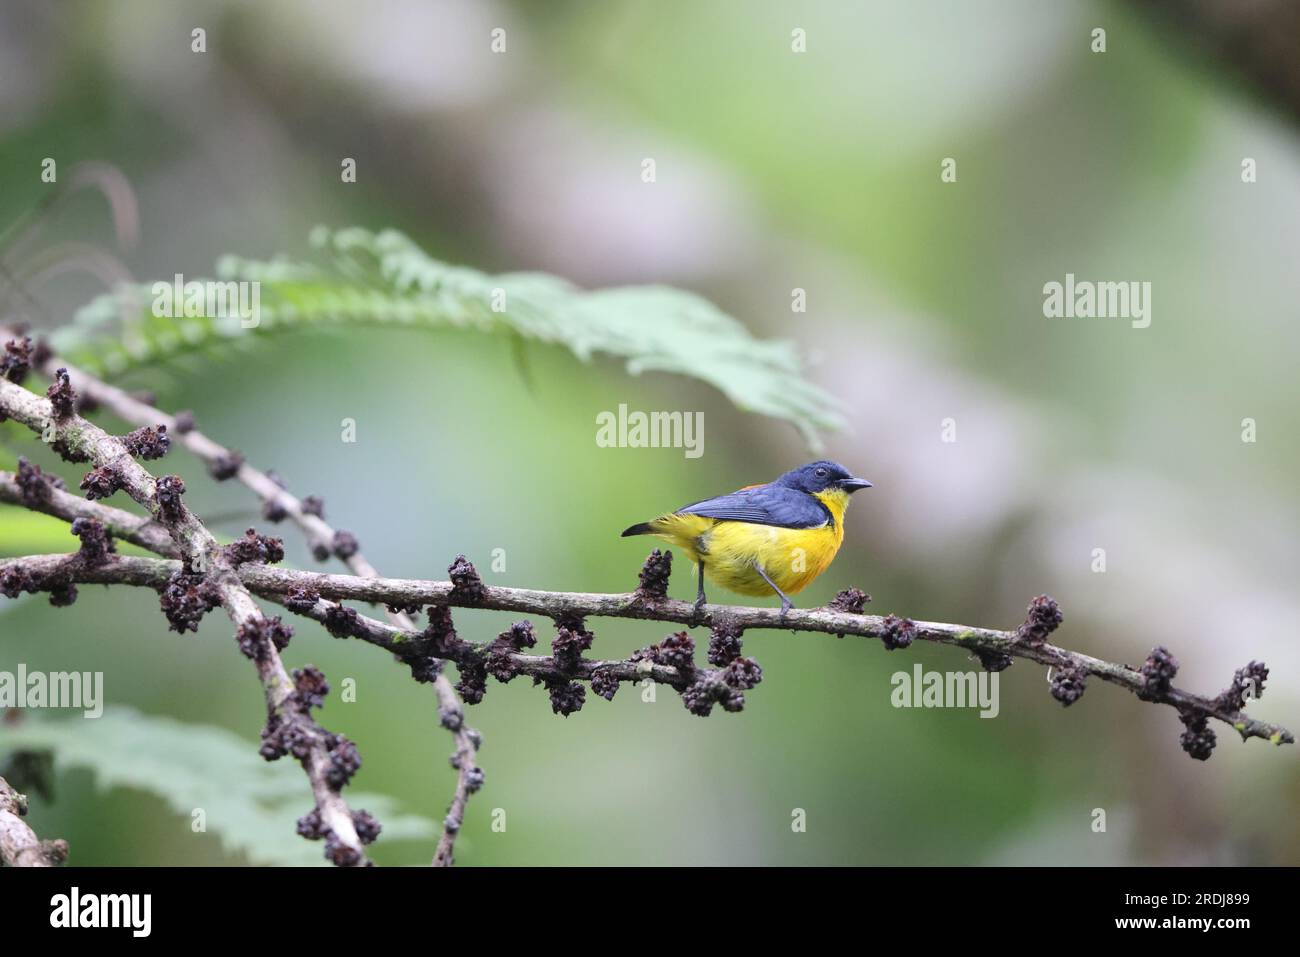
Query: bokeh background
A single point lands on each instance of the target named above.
(775, 170)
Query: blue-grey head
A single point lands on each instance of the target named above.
(821, 476)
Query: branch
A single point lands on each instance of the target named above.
(39, 492)
(207, 579)
(308, 516)
(296, 591)
(671, 662)
(19, 845)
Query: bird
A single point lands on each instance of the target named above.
(764, 539)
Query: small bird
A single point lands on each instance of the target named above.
(764, 539)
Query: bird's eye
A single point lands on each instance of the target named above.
(821, 473)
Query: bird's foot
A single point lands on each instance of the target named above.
(786, 605)
(697, 616)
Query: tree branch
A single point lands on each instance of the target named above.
(278, 504)
(19, 845)
(209, 571)
(59, 503)
(313, 594)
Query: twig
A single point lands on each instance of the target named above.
(321, 537)
(291, 587)
(19, 845)
(279, 585)
(326, 758)
(119, 523)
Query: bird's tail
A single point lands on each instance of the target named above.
(640, 528)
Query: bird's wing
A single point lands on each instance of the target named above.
(764, 505)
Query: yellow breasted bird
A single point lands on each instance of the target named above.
(764, 539)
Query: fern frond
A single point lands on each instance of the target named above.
(252, 806)
(384, 278)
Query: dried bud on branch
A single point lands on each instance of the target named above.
(993, 660)
(62, 399)
(150, 442)
(225, 466)
(566, 697)
(1157, 673)
(571, 639)
(257, 637)
(1199, 739)
(851, 601)
(654, 576)
(1043, 619)
(465, 581)
(36, 485)
(254, 548)
(898, 632)
(16, 360)
(1068, 684)
(185, 599)
(96, 543)
(724, 642)
(1247, 682)
(344, 545)
(169, 490)
(101, 482)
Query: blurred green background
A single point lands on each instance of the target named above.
(775, 170)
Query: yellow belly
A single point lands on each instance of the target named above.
(732, 551)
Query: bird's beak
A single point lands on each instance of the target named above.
(853, 484)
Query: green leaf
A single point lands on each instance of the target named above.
(365, 277)
(252, 805)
